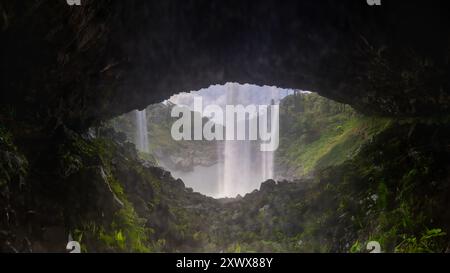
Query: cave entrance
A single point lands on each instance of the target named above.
(217, 167)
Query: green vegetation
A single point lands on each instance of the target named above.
(13, 165)
(317, 133)
(370, 181)
(361, 179)
(14, 168)
(391, 191)
(163, 148)
(124, 230)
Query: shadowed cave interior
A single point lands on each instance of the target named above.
(362, 157)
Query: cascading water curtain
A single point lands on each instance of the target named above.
(141, 131)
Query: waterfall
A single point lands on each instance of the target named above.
(141, 131)
(268, 158)
(241, 166)
(245, 167)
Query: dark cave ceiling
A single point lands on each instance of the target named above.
(80, 65)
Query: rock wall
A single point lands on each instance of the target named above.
(79, 65)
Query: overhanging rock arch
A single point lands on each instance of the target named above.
(80, 65)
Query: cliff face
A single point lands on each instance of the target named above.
(181, 155)
(79, 65)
